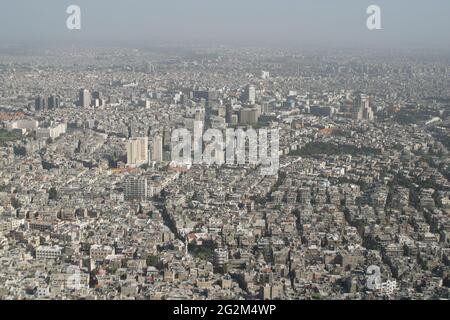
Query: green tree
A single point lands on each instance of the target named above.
(154, 261)
(15, 203)
(52, 194)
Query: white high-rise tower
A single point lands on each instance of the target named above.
(362, 109)
(137, 151)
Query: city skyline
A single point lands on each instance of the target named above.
(210, 151)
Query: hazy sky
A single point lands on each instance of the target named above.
(300, 23)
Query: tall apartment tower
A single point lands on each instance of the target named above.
(137, 151)
(362, 109)
(136, 188)
(220, 257)
(84, 98)
(249, 116)
(157, 149)
(41, 103)
(250, 94)
(97, 99)
(53, 102)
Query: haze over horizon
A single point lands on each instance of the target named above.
(288, 23)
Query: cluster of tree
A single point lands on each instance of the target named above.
(154, 261)
(406, 117)
(6, 136)
(20, 151)
(204, 252)
(52, 194)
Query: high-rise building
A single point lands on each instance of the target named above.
(220, 257)
(84, 99)
(97, 100)
(157, 149)
(96, 95)
(136, 188)
(167, 136)
(249, 94)
(149, 68)
(249, 116)
(362, 109)
(137, 151)
(53, 102)
(228, 113)
(41, 103)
